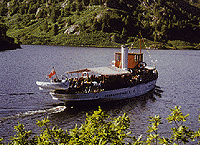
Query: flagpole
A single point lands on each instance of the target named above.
(140, 44)
(56, 74)
(140, 41)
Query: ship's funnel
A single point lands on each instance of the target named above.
(124, 57)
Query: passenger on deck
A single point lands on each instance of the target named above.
(79, 82)
(54, 80)
(96, 79)
(88, 79)
(73, 83)
(99, 79)
(92, 77)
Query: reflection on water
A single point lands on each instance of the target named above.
(75, 114)
(88, 106)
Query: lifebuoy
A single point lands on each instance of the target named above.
(142, 64)
(113, 63)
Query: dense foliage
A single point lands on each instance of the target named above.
(72, 22)
(100, 128)
(5, 41)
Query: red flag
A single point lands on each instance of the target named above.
(51, 73)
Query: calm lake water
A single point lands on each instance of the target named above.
(22, 101)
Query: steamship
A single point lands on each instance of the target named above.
(128, 77)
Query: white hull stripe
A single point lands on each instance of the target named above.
(111, 94)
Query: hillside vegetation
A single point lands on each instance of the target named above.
(173, 24)
(6, 42)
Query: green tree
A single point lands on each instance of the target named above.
(94, 2)
(54, 30)
(153, 130)
(86, 2)
(42, 14)
(69, 21)
(62, 13)
(174, 18)
(100, 2)
(22, 10)
(22, 136)
(73, 7)
(45, 26)
(160, 2)
(124, 33)
(3, 30)
(53, 15)
(96, 25)
(103, 27)
(91, 2)
(164, 33)
(14, 9)
(79, 6)
(3, 9)
(33, 8)
(68, 6)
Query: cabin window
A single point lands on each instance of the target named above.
(118, 57)
(140, 58)
(136, 57)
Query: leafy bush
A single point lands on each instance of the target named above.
(100, 128)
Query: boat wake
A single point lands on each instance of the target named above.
(11, 94)
(158, 91)
(21, 94)
(17, 94)
(53, 110)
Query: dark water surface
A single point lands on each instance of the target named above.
(22, 101)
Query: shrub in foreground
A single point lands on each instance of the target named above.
(100, 128)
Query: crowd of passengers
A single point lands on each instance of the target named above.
(95, 84)
(85, 84)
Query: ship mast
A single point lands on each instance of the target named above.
(140, 44)
(140, 41)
